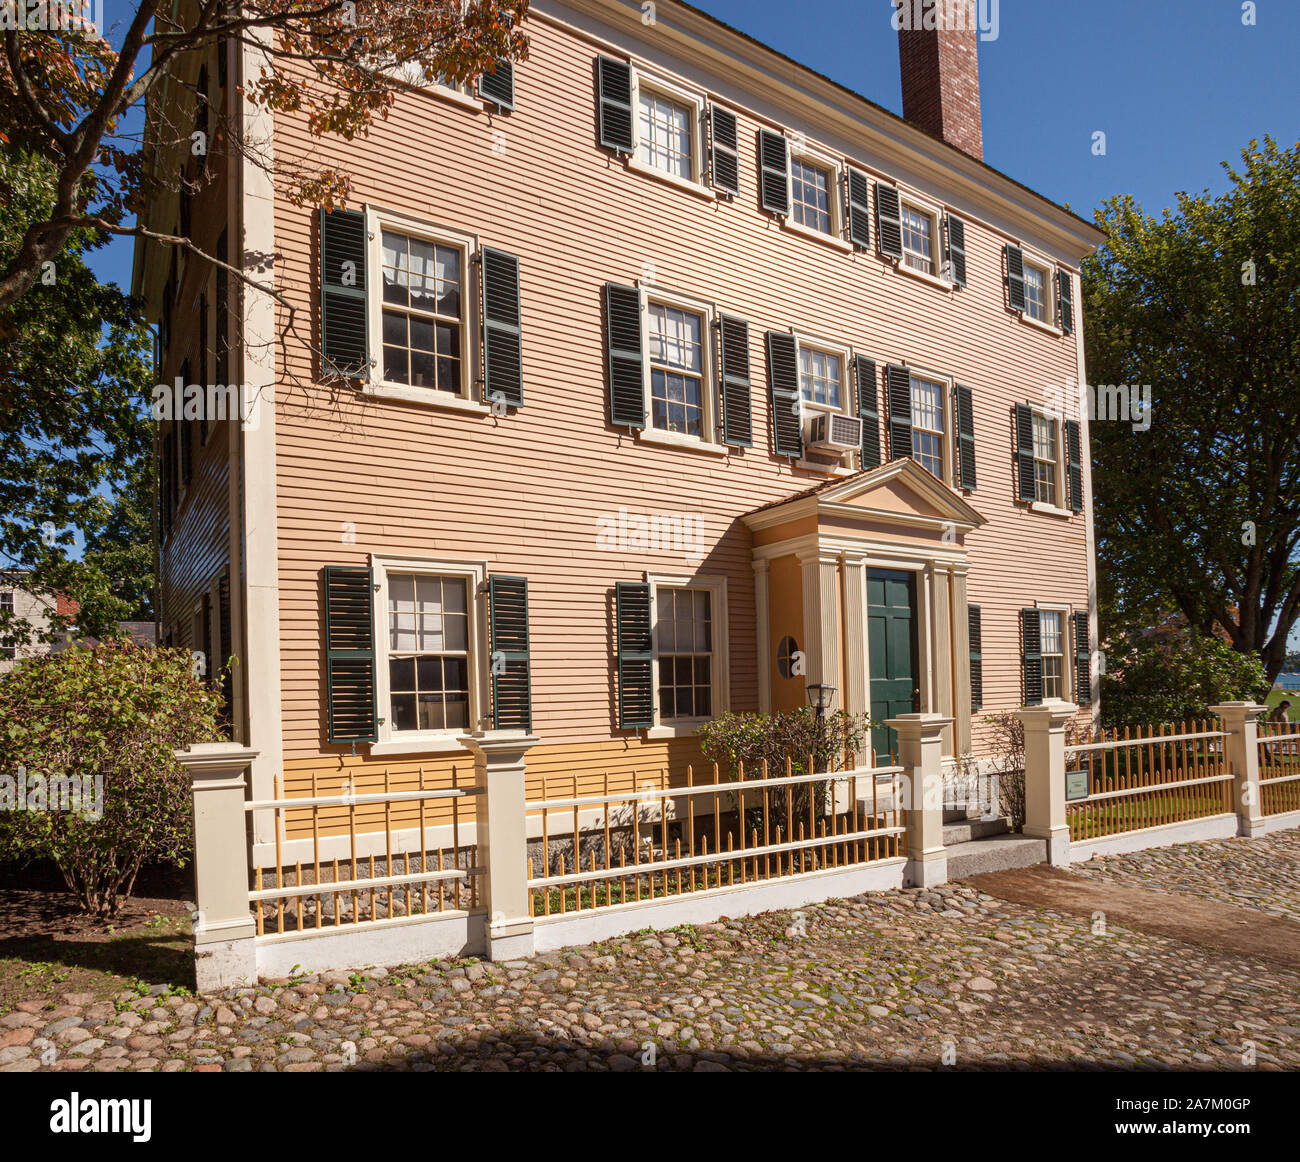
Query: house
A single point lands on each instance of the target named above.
(52, 615)
(652, 377)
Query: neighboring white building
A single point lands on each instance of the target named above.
(40, 610)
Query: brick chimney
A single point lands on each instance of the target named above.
(940, 67)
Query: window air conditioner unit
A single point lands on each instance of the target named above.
(832, 432)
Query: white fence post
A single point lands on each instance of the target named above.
(502, 811)
(920, 753)
(1045, 816)
(1241, 749)
(224, 952)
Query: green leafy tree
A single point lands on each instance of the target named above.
(121, 549)
(1199, 516)
(114, 713)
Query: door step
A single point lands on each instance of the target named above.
(996, 853)
(965, 830)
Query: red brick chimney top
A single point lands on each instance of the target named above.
(939, 62)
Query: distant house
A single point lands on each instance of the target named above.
(43, 612)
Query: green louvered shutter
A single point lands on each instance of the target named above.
(344, 342)
(956, 249)
(1074, 462)
(184, 436)
(889, 221)
(783, 390)
(1015, 278)
(512, 689)
(898, 386)
(773, 171)
(498, 86)
(859, 209)
(635, 656)
(614, 97)
(965, 438)
(1082, 659)
(724, 150)
(350, 653)
(1028, 488)
(503, 370)
(976, 651)
(1065, 301)
(626, 362)
(868, 410)
(737, 418)
(1032, 655)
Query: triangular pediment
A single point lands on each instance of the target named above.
(901, 488)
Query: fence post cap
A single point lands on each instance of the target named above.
(498, 746)
(1238, 709)
(215, 757)
(1049, 710)
(922, 725)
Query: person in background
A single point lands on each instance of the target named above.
(1280, 712)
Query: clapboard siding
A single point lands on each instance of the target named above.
(524, 492)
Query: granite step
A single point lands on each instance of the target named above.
(997, 853)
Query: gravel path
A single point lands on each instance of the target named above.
(911, 979)
(1263, 874)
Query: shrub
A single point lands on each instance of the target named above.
(104, 722)
(1177, 677)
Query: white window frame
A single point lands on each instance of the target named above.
(716, 585)
(932, 215)
(798, 147)
(708, 385)
(949, 418)
(377, 220)
(466, 93)
(1049, 321)
(694, 101)
(1037, 505)
(474, 573)
(8, 653)
(1067, 650)
(844, 353)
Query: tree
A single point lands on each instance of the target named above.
(65, 95)
(121, 550)
(1200, 514)
(74, 427)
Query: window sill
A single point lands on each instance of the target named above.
(683, 729)
(690, 187)
(422, 744)
(426, 396)
(676, 440)
(1050, 509)
(1048, 327)
(823, 469)
(816, 235)
(933, 279)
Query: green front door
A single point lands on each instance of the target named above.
(891, 652)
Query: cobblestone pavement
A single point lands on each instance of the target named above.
(909, 979)
(1263, 874)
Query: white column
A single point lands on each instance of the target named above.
(941, 700)
(920, 752)
(1241, 749)
(763, 635)
(1045, 776)
(821, 622)
(855, 698)
(962, 728)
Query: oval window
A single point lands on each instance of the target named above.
(788, 658)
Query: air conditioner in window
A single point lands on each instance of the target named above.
(832, 432)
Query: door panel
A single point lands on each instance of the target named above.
(891, 653)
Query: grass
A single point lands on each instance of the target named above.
(1099, 820)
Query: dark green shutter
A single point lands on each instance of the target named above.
(965, 438)
(183, 429)
(503, 371)
(868, 410)
(222, 338)
(956, 250)
(1015, 278)
(623, 337)
(1082, 659)
(976, 652)
(859, 209)
(1065, 301)
(1025, 452)
(773, 171)
(512, 690)
(344, 341)
(635, 656)
(783, 389)
(889, 221)
(350, 653)
(737, 419)
(1074, 470)
(724, 151)
(498, 86)
(1032, 654)
(898, 386)
(614, 95)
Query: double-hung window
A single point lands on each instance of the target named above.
(424, 312)
(677, 370)
(7, 653)
(666, 122)
(812, 189)
(1038, 300)
(684, 653)
(821, 378)
(1051, 627)
(919, 231)
(929, 417)
(1047, 460)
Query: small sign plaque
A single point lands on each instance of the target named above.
(1076, 785)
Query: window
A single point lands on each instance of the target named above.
(7, 653)
(787, 658)
(918, 239)
(423, 320)
(1053, 648)
(821, 377)
(677, 397)
(428, 652)
(928, 424)
(1046, 459)
(810, 190)
(664, 137)
(1037, 302)
(683, 643)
